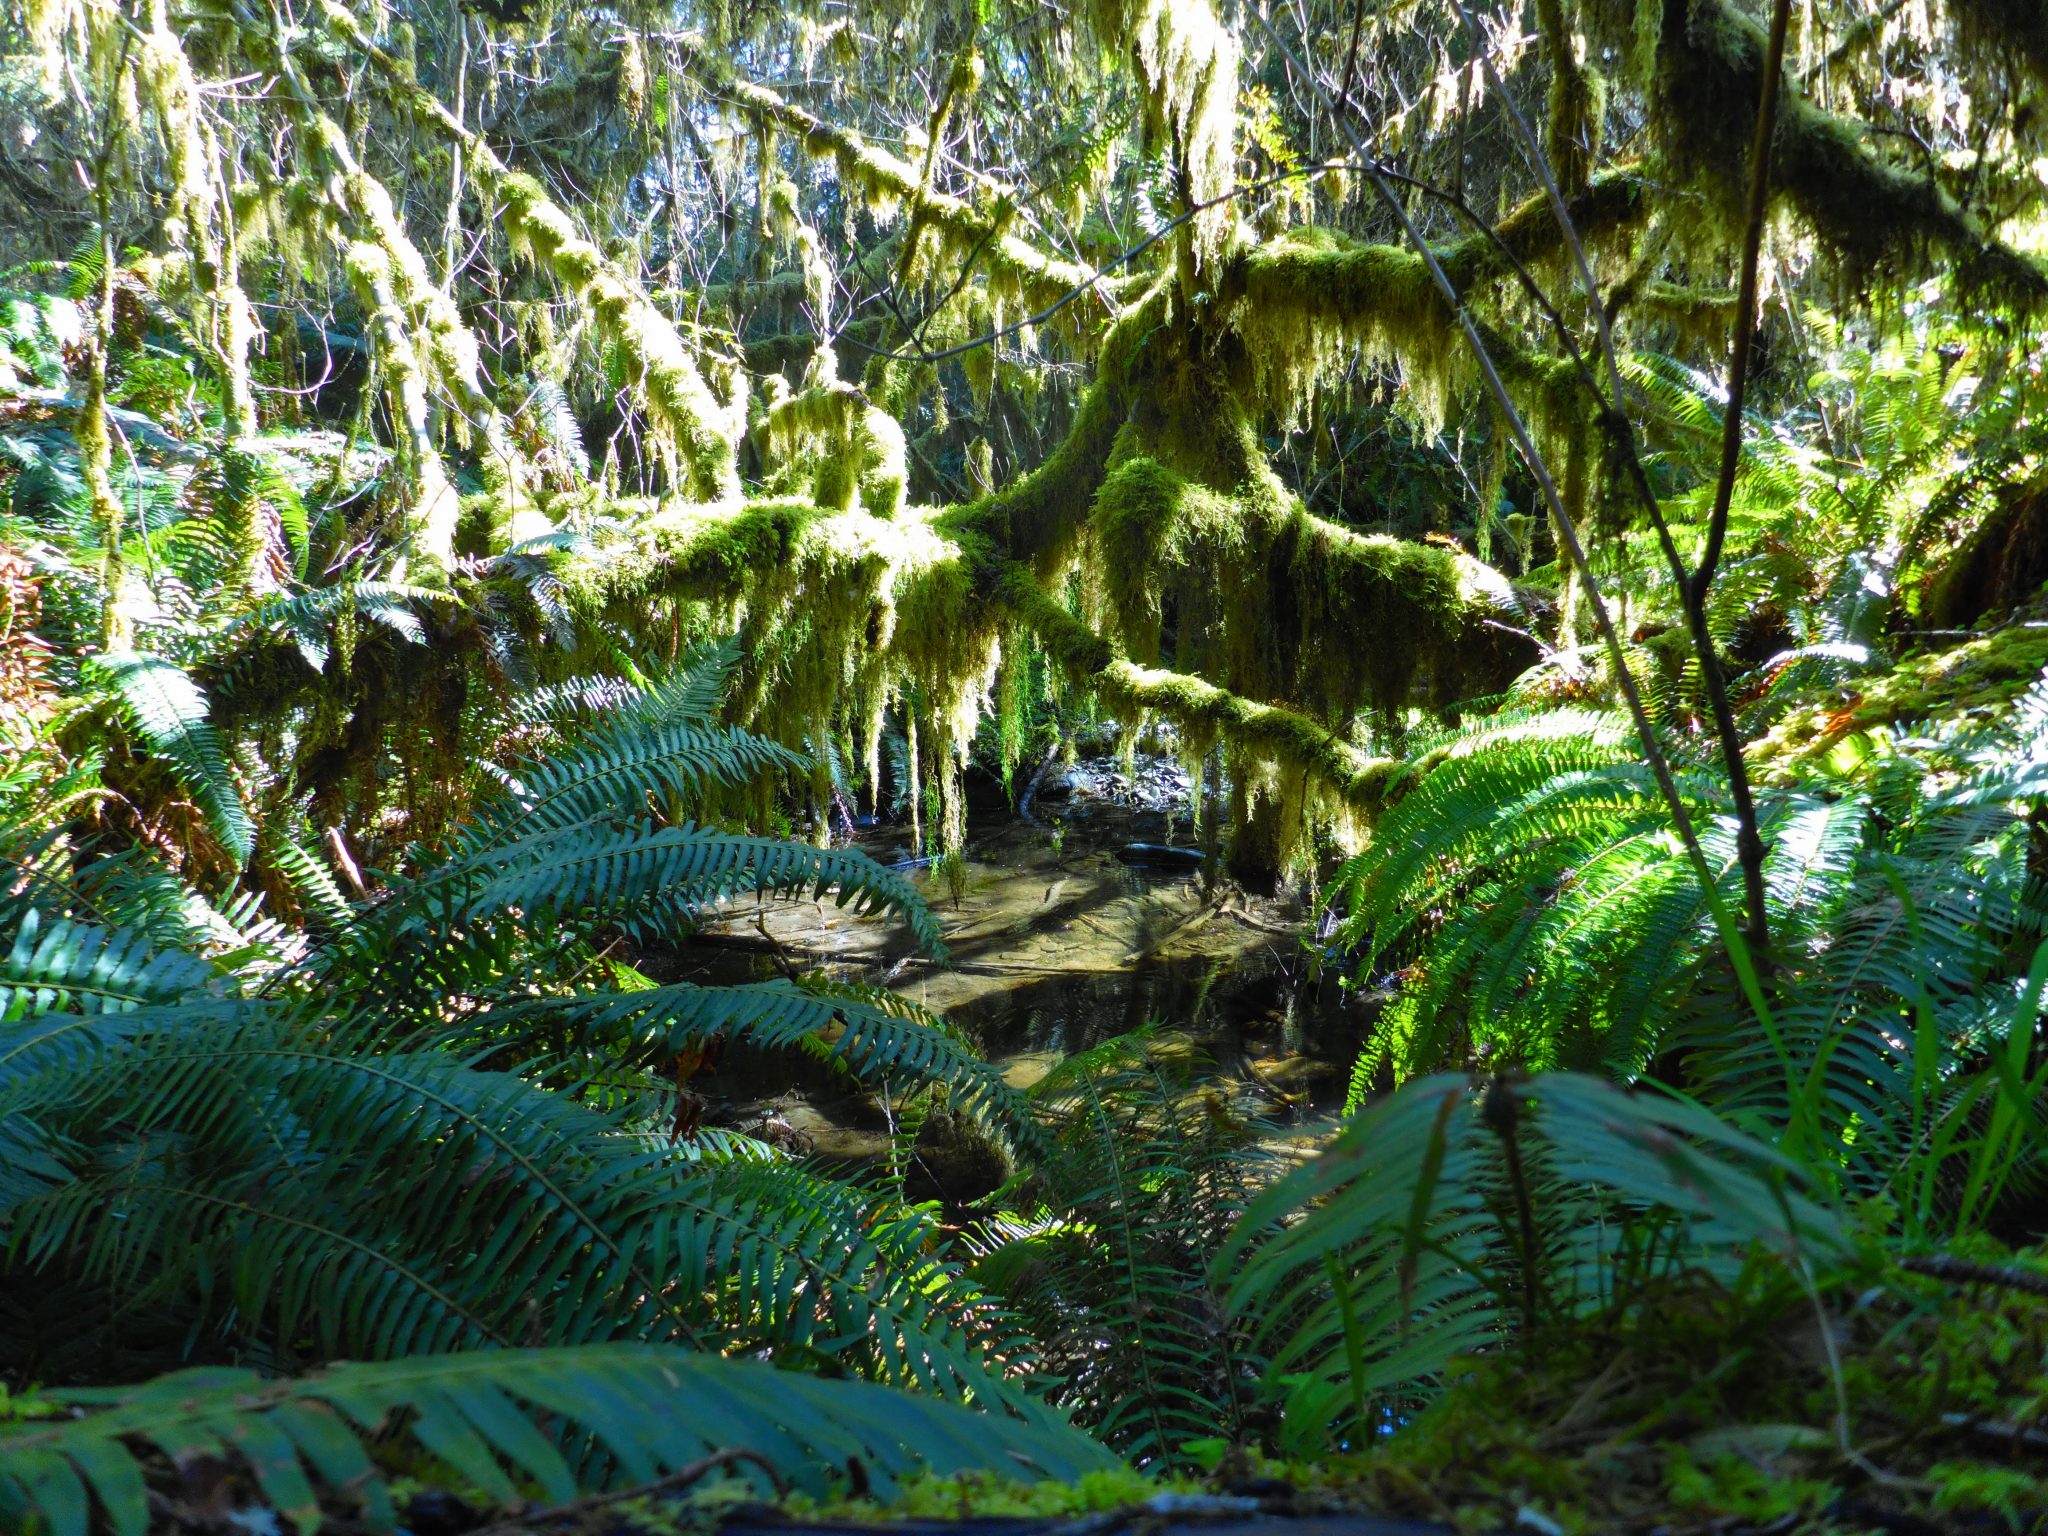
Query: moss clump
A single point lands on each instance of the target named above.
(852, 452)
(1301, 302)
(1980, 679)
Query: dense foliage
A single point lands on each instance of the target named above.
(485, 489)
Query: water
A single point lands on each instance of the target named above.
(1051, 949)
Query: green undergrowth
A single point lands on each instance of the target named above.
(1707, 1409)
(1913, 1404)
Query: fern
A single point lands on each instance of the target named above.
(294, 1149)
(1143, 1175)
(63, 966)
(1456, 1206)
(508, 1423)
(598, 872)
(169, 713)
(872, 1033)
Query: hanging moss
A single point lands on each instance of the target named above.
(853, 452)
(1187, 61)
(1873, 216)
(435, 508)
(691, 421)
(198, 230)
(887, 183)
(1201, 711)
(2017, 29)
(1301, 300)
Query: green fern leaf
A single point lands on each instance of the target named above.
(167, 710)
(646, 1410)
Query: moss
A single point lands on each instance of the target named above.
(1614, 203)
(1299, 300)
(1141, 520)
(886, 183)
(1199, 710)
(853, 452)
(1187, 62)
(1706, 1408)
(690, 422)
(1980, 678)
(1875, 217)
(2014, 29)
(1576, 101)
(2002, 563)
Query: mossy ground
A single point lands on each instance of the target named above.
(1704, 1409)
(1978, 679)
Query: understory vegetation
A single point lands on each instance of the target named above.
(492, 491)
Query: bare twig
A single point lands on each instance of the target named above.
(682, 1477)
(1749, 844)
(2005, 1277)
(1693, 587)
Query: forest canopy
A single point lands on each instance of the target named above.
(487, 487)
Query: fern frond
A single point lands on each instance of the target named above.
(873, 1033)
(548, 1421)
(598, 871)
(169, 713)
(60, 966)
(1409, 1248)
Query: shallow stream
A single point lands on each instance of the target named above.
(1056, 941)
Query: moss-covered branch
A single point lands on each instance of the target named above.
(690, 422)
(1201, 711)
(441, 337)
(887, 182)
(435, 507)
(1874, 216)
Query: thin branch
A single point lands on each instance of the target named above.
(2005, 1277)
(682, 1477)
(1646, 731)
(1122, 258)
(1749, 844)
